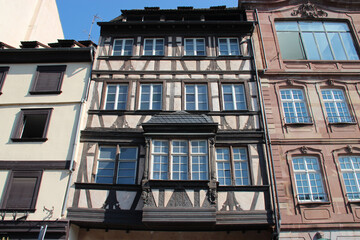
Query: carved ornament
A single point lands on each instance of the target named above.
(304, 150)
(309, 10)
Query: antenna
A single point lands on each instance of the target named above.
(92, 23)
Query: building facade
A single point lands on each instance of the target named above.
(29, 20)
(308, 58)
(174, 143)
(42, 92)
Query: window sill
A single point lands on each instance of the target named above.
(342, 123)
(319, 61)
(299, 124)
(29, 139)
(309, 203)
(107, 186)
(18, 210)
(44, 92)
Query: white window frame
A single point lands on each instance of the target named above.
(195, 51)
(116, 161)
(234, 172)
(190, 154)
(353, 170)
(307, 176)
(153, 53)
(123, 45)
(196, 96)
(347, 118)
(116, 101)
(151, 100)
(228, 46)
(234, 97)
(294, 104)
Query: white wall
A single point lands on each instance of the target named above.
(29, 20)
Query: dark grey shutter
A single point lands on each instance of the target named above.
(49, 78)
(21, 193)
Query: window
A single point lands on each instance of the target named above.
(32, 125)
(117, 165)
(314, 40)
(154, 47)
(336, 107)
(308, 179)
(195, 47)
(48, 79)
(232, 169)
(234, 97)
(294, 106)
(350, 168)
(179, 160)
(196, 97)
(150, 96)
(229, 46)
(123, 47)
(22, 190)
(116, 97)
(3, 72)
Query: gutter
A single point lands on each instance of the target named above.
(77, 135)
(261, 41)
(269, 154)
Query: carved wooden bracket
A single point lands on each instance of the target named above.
(309, 10)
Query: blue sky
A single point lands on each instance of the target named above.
(76, 15)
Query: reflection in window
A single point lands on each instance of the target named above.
(228, 46)
(154, 47)
(294, 106)
(124, 161)
(194, 47)
(336, 106)
(196, 97)
(308, 179)
(123, 47)
(314, 40)
(116, 96)
(232, 169)
(234, 97)
(150, 96)
(179, 160)
(350, 169)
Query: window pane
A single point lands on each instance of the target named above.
(349, 46)
(337, 46)
(286, 26)
(324, 47)
(310, 46)
(308, 179)
(290, 45)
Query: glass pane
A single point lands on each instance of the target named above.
(107, 152)
(286, 26)
(311, 26)
(349, 46)
(310, 46)
(324, 47)
(290, 45)
(336, 26)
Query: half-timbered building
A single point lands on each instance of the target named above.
(174, 143)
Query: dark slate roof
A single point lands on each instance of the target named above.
(180, 117)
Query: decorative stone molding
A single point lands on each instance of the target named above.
(309, 10)
(290, 82)
(304, 150)
(349, 149)
(330, 82)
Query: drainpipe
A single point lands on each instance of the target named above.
(261, 41)
(77, 135)
(269, 155)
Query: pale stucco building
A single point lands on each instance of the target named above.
(29, 20)
(42, 93)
